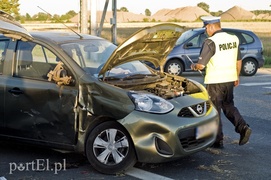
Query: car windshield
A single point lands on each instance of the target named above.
(89, 53)
(186, 35)
(92, 55)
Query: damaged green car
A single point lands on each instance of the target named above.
(81, 93)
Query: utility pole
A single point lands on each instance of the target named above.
(83, 17)
(102, 18)
(113, 21)
(93, 17)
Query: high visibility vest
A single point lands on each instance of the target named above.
(222, 65)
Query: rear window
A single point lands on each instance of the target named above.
(243, 37)
(248, 38)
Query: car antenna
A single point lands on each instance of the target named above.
(81, 37)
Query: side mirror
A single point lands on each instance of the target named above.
(189, 44)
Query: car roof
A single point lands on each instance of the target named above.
(225, 29)
(62, 37)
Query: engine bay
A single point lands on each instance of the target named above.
(165, 85)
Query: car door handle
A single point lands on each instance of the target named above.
(242, 48)
(15, 91)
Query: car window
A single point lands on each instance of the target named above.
(186, 35)
(243, 37)
(197, 41)
(3, 48)
(43, 55)
(90, 55)
(248, 38)
(34, 60)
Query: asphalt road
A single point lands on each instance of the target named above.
(234, 162)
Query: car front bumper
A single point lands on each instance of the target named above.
(160, 138)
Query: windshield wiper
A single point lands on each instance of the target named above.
(109, 78)
(138, 76)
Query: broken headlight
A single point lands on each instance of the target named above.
(150, 103)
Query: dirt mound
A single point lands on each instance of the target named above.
(183, 14)
(188, 14)
(264, 16)
(121, 17)
(237, 13)
(161, 15)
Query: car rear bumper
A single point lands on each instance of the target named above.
(261, 62)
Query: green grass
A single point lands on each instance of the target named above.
(266, 40)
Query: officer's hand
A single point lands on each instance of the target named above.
(193, 67)
(236, 83)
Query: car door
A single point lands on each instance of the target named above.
(3, 48)
(193, 46)
(244, 39)
(36, 108)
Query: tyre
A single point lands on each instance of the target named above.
(249, 67)
(174, 67)
(109, 148)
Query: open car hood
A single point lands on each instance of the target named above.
(10, 28)
(151, 44)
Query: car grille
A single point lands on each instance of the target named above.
(195, 110)
(189, 141)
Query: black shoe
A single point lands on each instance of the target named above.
(218, 145)
(244, 135)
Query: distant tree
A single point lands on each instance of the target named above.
(123, 9)
(56, 18)
(257, 12)
(41, 16)
(204, 6)
(147, 12)
(145, 19)
(71, 13)
(218, 13)
(21, 19)
(28, 17)
(10, 6)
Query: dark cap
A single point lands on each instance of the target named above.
(209, 20)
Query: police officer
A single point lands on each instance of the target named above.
(220, 55)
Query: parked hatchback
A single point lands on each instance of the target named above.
(81, 93)
(190, 42)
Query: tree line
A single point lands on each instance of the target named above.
(12, 7)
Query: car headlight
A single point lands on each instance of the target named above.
(150, 103)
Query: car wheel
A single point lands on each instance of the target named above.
(109, 148)
(174, 67)
(249, 67)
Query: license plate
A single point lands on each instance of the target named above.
(206, 130)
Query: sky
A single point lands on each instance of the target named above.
(138, 6)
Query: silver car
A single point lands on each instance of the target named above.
(190, 42)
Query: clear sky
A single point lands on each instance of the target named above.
(138, 6)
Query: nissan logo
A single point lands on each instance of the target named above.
(199, 109)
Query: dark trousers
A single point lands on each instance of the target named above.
(222, 97)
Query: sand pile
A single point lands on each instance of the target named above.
(237, 13)
(182, 14)
(187, 14)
